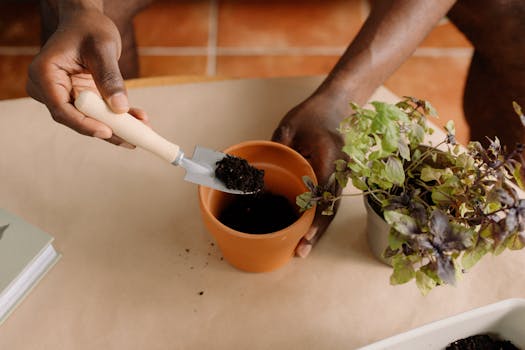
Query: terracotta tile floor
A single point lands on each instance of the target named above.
(253, 38)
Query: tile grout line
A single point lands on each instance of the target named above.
(19, 50)
(304, 51)
(211, 50)
(443, 52)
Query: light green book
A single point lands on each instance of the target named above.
(26, 254)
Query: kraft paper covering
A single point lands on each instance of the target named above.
(139, 270)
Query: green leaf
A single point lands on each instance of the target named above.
(403, 270)
(465, 161)
(342, 179)
(404, 150)
(487, 231)
(492, 207)
(500, 248)
(404, 224)
(391, 111)
(517, 176)
(394, 171)
(377, 175)
(394, 241)
(464, 209)
(424, 282)
(431, 174)
(359, 183)
(390, 141)
(519, 112)
(472, 256)
(450, 127)
(358, 168)
(340, 165)
(380, 123)
(304, 201)
(417, 135)
(429, 109)
(515, 243)
(441, 194)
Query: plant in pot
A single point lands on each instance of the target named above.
(444, 206)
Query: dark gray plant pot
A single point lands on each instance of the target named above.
(377, 231)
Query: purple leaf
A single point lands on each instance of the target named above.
(439, 225)
(446, 270)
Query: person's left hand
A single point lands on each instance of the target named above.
(311, 129)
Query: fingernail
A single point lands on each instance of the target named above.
(303, 250)
(127, 145)
(102, 134)
(119, 102)
(310, 234)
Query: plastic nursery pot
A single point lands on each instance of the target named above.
(377, 231)
(283, 170)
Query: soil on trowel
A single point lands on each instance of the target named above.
(259, 213)
(481, 342)
(237, 174)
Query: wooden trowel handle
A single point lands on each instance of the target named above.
(126, 126)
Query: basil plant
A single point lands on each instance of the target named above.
(447, 205)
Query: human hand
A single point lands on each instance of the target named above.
(82, 54)
(310, 129)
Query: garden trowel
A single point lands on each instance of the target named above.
(200, 169)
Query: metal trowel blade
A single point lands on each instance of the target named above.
(200, 169)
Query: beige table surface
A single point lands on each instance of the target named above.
(136, 257)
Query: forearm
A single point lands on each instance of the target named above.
(60, 8)
(389, 36)
(65, 6)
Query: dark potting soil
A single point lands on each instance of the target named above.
(259, 213)
(481, 342)
(237, 174)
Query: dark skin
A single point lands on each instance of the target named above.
(79, 55)
(497, 71)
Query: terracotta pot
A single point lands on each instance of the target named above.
(377, 231)
(284, 169)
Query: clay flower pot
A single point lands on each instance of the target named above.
(284, 169)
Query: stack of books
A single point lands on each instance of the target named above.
(26, 254)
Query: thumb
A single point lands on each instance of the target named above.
(283, 134)
(106, 74)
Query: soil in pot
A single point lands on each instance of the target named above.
(260, 213)
(481, 342)
(237, 174)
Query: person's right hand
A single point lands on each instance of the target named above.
(82, 54)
